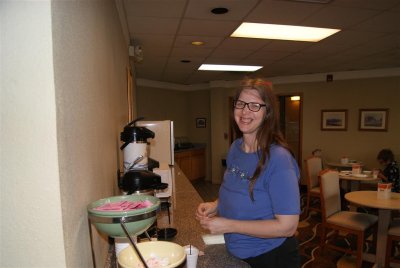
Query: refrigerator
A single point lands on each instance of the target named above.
(161, 148)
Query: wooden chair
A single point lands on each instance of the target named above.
(312, 166)
(393, 235)
(333, 218)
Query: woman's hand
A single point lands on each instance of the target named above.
(206, 210)
(216, 225)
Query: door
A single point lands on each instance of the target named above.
(291, 122)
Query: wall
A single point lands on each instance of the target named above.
(162, 104)
(31, 220)
(63, 103)
(351, 95)
(183, 107)
(90, 60)
(344, 94)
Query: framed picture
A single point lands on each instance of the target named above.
(200, 122)
(373, 119)
(333, 119)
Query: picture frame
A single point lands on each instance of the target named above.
(335, 120)
(201, 122)
(373, 119)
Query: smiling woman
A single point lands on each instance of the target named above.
(258, 205)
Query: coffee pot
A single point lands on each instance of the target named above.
(138, 176)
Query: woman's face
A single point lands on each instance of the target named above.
(247, 120)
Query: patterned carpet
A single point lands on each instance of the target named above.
(308, 234)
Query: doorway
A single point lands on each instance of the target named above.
(291, 121)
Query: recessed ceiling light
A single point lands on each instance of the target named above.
(197, 43)
(219, 10)
(185, 61)
(234, 68)
(282, 32)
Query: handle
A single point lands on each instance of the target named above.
(134, 121)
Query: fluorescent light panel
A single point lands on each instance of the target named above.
(295, 98)
(282, 32)
(234, 68)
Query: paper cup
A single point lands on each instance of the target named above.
(384, 190)
(375, 173)
(192, 253)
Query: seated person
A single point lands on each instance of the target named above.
(391, 171)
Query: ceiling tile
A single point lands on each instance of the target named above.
(269, 55)
(154, 8)
(146, 25)
(243, 43)
(207, 28)
(188, 52)
(202, 77)
(186, 41)
(338, 17)
(281, 12)
(201, 9)
(386, 22)
(366, 4)
(286, 46)
(230, 53)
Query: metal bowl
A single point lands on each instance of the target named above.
(175, 253)
(136, 221)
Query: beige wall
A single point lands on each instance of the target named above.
(63, 104)
(344, 94)
(90, 60)
(162, 104)
(31, 220)
(351, 95)
(183, 107)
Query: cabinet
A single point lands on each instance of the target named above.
(192, 163)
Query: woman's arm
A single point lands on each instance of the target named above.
(281, 226)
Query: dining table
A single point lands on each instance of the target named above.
(385, 208)
(343, 166)
(353, 180)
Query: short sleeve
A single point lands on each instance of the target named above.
(283, 183)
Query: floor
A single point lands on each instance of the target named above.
(207, 190)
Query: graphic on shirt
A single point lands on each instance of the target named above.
(242, 174)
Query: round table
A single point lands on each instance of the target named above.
(356, 179)
(341, 166)
(384, 206)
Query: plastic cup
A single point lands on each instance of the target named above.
(375, 173)
(192, 253)
(384, 190)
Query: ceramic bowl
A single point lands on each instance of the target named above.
(102, 219)
(175, 253)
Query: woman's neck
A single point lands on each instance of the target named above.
(249, 144)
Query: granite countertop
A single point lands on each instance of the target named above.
(185, 200)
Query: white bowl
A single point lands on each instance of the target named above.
(175, 253)
(368, 172)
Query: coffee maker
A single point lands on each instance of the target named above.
(138, 177)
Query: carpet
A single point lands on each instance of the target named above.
(308, 235)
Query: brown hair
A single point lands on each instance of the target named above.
(269, 132)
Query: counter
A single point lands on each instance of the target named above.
(185, 200)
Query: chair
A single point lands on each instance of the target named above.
(312, 166)
(333, 218)
(393, 235)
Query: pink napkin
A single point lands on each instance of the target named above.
(124, 205)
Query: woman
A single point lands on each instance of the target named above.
(259, 205)
(391, 172)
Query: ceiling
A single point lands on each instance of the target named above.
(164, 29)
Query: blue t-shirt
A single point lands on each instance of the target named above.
(276, 192)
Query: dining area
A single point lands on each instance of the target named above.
(358, 203)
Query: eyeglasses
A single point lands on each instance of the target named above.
(253, 106)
